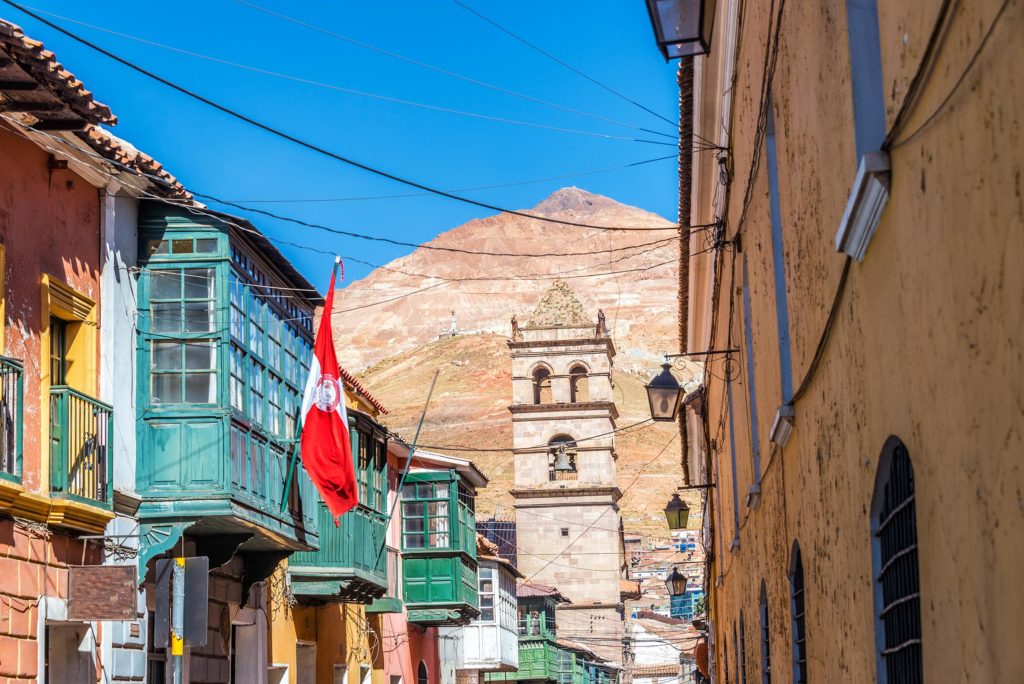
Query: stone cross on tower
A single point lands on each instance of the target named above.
(563, 417)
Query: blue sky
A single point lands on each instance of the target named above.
(609, 39)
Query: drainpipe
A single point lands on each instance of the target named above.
(684, 77)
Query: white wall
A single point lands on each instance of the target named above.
(118, 315)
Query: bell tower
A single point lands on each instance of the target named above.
(566, 497)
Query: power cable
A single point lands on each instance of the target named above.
(330, 229)
(956, 86)
(472, 189)
(313, 147)
(347, 90)
(446, 72)
(561, 62)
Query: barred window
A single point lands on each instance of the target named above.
(897, 582)
(743, 651)
(796, 584)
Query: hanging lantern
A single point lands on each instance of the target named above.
(664, 394)
(675, 583)
(677, 513)
(682, 28)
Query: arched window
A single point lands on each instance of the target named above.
(579, 386)
(796, 586)
(897, 582)
(766, 651)
(725, 658)
(542, 386)
(421, 673)
(562, 458)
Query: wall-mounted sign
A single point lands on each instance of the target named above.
(102, 592)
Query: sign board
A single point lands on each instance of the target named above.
(102, 592)
(197, 597)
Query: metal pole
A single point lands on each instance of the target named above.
(405, 471)
(178, 620)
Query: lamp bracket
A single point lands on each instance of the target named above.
(709, 485)
(709, 352)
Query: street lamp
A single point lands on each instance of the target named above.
(675, 583)
(677, 513)
(682, 28)
(664, 394)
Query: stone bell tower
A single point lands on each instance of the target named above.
(566, 498)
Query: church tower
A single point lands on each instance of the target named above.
(566, 497)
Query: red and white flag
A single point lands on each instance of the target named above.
(326, 447)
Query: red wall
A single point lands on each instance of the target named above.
(49, 223)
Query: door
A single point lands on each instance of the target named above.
(305, 663)
(249, 647)
(68, 654)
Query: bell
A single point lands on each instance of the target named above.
(562, 464)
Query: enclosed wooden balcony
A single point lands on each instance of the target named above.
(349, 567)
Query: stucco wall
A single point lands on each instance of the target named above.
(926, 346)
(49, 223)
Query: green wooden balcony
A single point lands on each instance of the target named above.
(439, 588)
(11, 421)
(350, 565)
(538, 661)
(81, 457)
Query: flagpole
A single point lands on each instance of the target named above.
(405, 471)
(292, 462)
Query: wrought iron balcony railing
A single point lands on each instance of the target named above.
(81, 454)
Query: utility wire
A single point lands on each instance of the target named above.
(313, 147)
(351, 91)
(358, 198)
(561, 62)
(446, 72)
(338, 231)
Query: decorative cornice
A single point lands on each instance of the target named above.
(526, 344)
(78, 516)
(567, 406)
(575, 492)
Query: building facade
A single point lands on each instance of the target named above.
(863, 416)
(566, 496)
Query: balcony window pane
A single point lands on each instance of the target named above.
(181, 246)
(439, 540)
(198, 316)
(166, 356)
(156, 247)
(166, 388)
(413, 541)
(166, 285)
(412, 509)
(438, 508)
(206, 246)
(412, 524)
(200, 355)
(166, 317)
(198, 283)
(200, 388)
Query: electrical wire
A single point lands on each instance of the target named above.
(330, 229)
(470, 189)
(347, 90)
(313, 147)
(560, 62)
(956, 86)
(446, 72)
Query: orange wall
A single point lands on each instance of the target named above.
(49, 223)
(404, 646)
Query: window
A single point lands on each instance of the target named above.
(562, 458)
(486, 590)
(736, 650)
(237, 383)
(58, 351)
(743, 650)
(421, 674)
(725, 658)
(364, 674)
(866, 75)
(365, 466)
(256, 391)
(565, 531)
(897, 582)
(305, 662)
(766, 655)
(778, 258)
(579, 389)
(425, 515)
(542, 386)
(340, 674)
(182, 370)
(156, 657)
(796, 582)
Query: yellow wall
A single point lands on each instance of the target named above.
(926, 346)
(341, 632)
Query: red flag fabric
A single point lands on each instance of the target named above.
(326, 447)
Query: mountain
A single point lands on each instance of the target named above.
(400, 331)
(411, 301)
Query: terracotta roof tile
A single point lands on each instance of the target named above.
(125, 154)
(31, 59)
